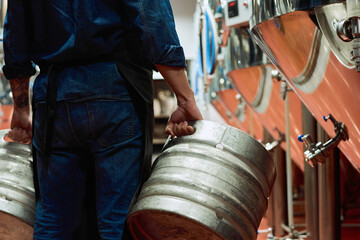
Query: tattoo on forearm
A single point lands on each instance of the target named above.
(20, 90)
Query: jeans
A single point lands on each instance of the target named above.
(106, 133)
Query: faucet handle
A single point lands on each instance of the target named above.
(339, 127)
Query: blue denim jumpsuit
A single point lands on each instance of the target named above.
(101, 46)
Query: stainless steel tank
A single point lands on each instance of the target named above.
(303, 40)
(213, 184)
(255, 78)
(17, 196)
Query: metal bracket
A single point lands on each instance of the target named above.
(317, 153)
(271, 146)
(284, 89)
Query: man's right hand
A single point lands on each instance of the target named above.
(21, 127)
(21, 122)
(178, 121)
(187, 109)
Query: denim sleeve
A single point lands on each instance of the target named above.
(17, 61)
(159, 38)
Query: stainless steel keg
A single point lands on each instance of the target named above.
(17, 196)
(213, 184)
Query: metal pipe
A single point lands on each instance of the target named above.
(329, 194)
(311, 181)
(288, 166)
(3, 4)
(279, 200)
(277, 210)
(203, 47)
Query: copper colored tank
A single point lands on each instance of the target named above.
(251, 75)
(244, 114)
(301, 42)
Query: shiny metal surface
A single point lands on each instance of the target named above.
(243, 51)
(311, 183)
(262, 92)
(298, 48)
(251, 74)
(17, 196)
(3, 8)
(277, 201)
(219, 84)
(317, 153)
(328, 18)
(250, 123)
(267, 9)
(232, 106)
(329, 193)
(213, 184)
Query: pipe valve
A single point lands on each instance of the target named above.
(316, 153)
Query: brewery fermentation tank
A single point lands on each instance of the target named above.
(240, 110)
(255, 78)
(213, 184)
(301, 39)
(232, 107)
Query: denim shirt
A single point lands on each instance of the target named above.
(40, 32)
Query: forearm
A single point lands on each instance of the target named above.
(20, 91)
(177, 80)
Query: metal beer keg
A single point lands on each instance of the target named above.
(17, 195)
(213, 184)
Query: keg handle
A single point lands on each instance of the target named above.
(5, 138)
(316, 153)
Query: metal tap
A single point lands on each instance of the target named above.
(316, 153)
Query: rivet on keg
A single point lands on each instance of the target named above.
(219, 146)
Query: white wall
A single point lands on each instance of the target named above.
(184, 21)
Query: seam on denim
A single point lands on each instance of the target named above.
(131, 125)
(147, 31)
(70, 124)
(92, 127)
(91, 120)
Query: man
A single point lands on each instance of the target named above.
(92, 101)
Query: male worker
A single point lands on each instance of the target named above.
(92, 101)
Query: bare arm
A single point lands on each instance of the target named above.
(187, 109)
(21, 123)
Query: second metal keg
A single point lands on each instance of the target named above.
(17, 195)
